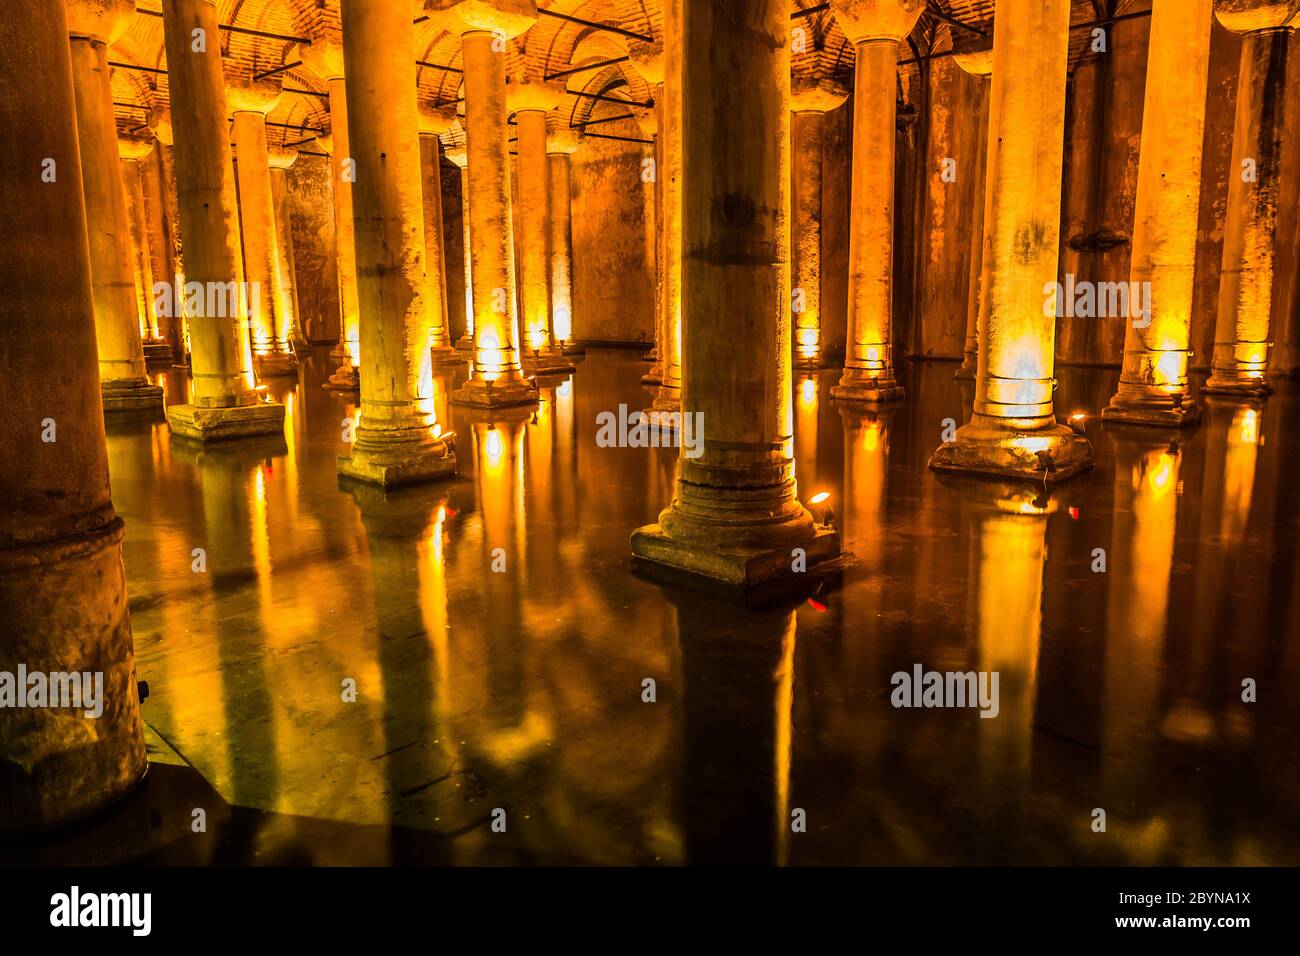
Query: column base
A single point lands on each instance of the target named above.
(65, 611)
(272, 364)
(547, 363)
(966, 370)
(667, 402)
(1161, 414)
(1220, 383)
(465, 343)
(159, 351)
(131, 397)
(574, 348)
(654, 376)
(201, 424)
(399, 463)
(1046, 455)
(301, 347)
(858, 387)
(346, 378)
(483, 394)
(443, 357)
(736, 567)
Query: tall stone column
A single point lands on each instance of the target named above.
(459, 157)
(1243, 330)
(976, 59)
(290, 321)
(62, 585)
(560, 146)
(160, 224)
(811, 99)
(433, 123)
(1013, 431)
(270, 323)
(485, 27)
(1153, 387)
(875, 28)
(652, 71)
(530, 102)
(225, 402)
(92, 26)
(397, 441)
(670, 170)
(324, 57)
(735, 517)
(133, 153)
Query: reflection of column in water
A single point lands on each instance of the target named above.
(866, 464)
(1147, 475)
(738, 692)
(805, 434)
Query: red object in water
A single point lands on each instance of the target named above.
(1074, 512)
(817, 605)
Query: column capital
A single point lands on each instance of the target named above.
(160, 121)
(280, 158)
(648, 60)
(255, 97)
(647, 117)
(810, 94)
(509, 17)
(134, 147)
(863, 20)
(323, 56)
(527, 95)
(104, 20)
(1252, 16)
(436, 120)
(457, 155)
(562, 140)
(973, 52)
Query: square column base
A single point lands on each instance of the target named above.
(1020, 455)
(483, 394)
(131, 399)
(276, 363)
(399, 465)
(160, 351)
(868, 391)
(1159, 416)
(201, 424)
(548, 363)
(738, 567)
(448, 356)
(1238, 387)
(344, 379)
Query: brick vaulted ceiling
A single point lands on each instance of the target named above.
(265, 31)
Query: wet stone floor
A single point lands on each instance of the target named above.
(522, 689)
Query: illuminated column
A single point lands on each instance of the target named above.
(976, 59)
(1013, 431)
(271, 338)
(485, 27)
(670, 170)
(432, 124)
(396, 439)
(530, 102)
(1153, 388)
(460, 158)
(92, 27)
(735, 516)
(225, 404)
(560, 146)
(61, 581)
(324, 57)
(132, 153)
(1243, 330)
(161, 242)
(811, 100)
(876, 28)
(288, 321)
(648, 59)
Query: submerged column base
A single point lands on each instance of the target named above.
(1228, 383)
(547, 362)
(495, 394)
(401, 457)
(966, 370)
(203, 424)
(157, 350)
(346, 378)
(740, 565)
(131, 396)
(465, 343)
(276, 363)
(859, 385)
(447, 355)
(1046, 455)
(1152, 407)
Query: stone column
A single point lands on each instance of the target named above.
(1243, 330)
(648, 119)
(433, 123)
(62, 585)
(875, 28)
(1153, 387)
(811, 99)
(269, 320)
(735, 517)
(324, 57)
(132, 153)
(225, 402)
(560, 146)
(290, 322)
(1013, 431)
(396, 440)
(668, 398)
(530, 102)
(976, 59)
(92, 27)
(459, 157)
(485, 27)
(163, 227)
